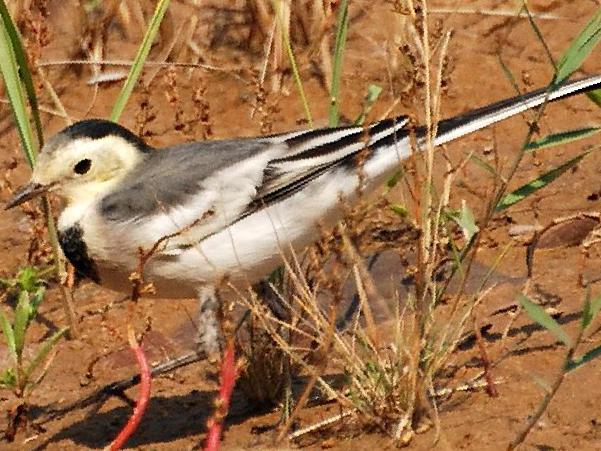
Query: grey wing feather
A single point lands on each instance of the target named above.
(168, 177)
(313, 152)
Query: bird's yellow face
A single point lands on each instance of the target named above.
(79, 169)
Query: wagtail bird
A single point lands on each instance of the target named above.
(226, 209)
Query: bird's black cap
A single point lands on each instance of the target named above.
(100, 128)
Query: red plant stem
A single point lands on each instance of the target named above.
(143, 398)
(491, 388)
(228, 376)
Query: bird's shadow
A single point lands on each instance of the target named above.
(167, 418)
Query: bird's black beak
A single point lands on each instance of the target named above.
(25, 193)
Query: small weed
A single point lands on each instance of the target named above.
(24, 374)
(571, 361)
(24, 104)
(265, 369)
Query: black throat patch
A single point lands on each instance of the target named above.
(75, 249)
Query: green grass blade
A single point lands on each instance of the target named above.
(590, 310)
(140, 59)
(8, 378)
(595, 306)
(35, 301)
(465, 219)
(22, 317)
(394, 179)
(15, 92)
(25, 73)
(43, 352)
(590, 355)
(540, 316)
(509, 75)
(484, 165)
(373, 92)
(587, 316)
(542, 383)
(339, 43)
(9, 335)
(295, 73)
(595, 96)
(580, 48)
(540, 182)
(557, 139)
(399, 210)
(538, 33)
(28, 279)
(456, 256)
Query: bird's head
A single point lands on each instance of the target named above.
(84, 160)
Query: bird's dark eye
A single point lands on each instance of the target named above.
(82, 167)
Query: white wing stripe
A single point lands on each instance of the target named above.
(328, 137)
(294, 165)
